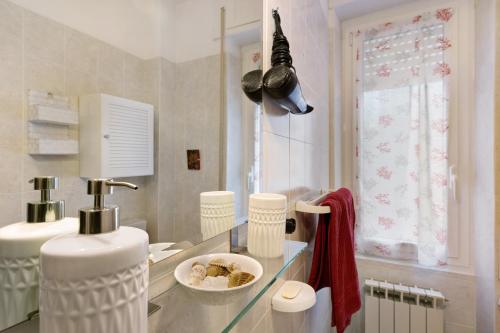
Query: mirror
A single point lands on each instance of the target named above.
(185, 58)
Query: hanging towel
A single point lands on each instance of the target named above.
(333, 263)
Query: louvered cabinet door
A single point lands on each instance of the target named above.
(116, 137)
(127, 138)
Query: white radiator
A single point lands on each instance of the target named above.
(395, 308)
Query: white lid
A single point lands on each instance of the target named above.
(76, 256)
(268, 201)
(304, 300)
(25, 239)
(215, 197)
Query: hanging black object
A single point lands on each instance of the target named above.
(280, 82)
(251, 83)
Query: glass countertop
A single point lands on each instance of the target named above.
(273, 269)
(216, 313)
(181, 310)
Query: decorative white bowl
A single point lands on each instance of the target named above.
(250, 265)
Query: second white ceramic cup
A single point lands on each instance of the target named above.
(266, 224)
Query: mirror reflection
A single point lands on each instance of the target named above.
(129, 104)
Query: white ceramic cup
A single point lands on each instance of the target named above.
(266, 224)
(216, 212)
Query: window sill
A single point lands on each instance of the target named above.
(453, 269)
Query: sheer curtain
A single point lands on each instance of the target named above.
(402, 76)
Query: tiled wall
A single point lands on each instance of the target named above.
(296, 147)
(296, 150)
(37, 53)
(188, 117)
(235, 149)
(459, 289)
(197, 126)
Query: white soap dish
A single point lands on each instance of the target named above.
(294, 296)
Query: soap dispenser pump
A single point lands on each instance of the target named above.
(20, 250)
(95, 280)
(45, 210)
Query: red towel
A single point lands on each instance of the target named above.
(333, 263)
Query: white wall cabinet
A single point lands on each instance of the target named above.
(116, 137)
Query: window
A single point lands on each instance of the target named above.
(407, 97)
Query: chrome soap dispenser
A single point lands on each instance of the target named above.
(96, 280)
(20, 250)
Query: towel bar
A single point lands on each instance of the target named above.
(313, 206)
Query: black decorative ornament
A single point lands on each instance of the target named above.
(251, 83)
(280, 81)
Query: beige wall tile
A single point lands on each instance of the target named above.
(276, 163)
(111, 87)
(66, 167)
(81, 52)
(44, 76)
(43, 39)
(110, 63)
(11, 121)
(257, 312)
(80, 83)
(313, 165)
(11, 20)
(10, 205)
(10, 171)
(134, 77)
(263, 325)
(11, 77)
(297, 168)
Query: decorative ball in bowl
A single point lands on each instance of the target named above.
(218, 278)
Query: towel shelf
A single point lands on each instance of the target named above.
(313, 206)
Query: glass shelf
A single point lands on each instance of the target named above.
(195, 313)
(182, 311)
(273, 269)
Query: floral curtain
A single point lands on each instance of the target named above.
(402, 84)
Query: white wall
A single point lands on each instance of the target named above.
(197, 24)
(178, 30)
(133, 26)
(335, 100)
(483, 149)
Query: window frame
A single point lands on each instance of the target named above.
(460, 121)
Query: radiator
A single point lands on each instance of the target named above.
(396, 308)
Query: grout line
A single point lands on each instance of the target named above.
(264, 316)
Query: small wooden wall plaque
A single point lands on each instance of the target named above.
(193, 159)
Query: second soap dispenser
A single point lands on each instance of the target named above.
(97, 280)
(20, 250)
